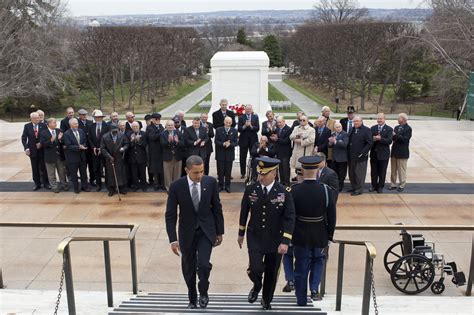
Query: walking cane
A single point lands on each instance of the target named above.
(116, 181)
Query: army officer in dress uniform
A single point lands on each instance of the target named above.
(314, 227)
(269, 230)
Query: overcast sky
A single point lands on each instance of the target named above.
(117, 7)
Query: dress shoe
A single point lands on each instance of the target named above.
(242, 176)
(203, 300)
(99, 188)
(111, 193)
(372, 189)
(392, 188)
(253, 295)
(55, 190)
(192, 305)
(87, 189)
(356, 193)
(144, 189)
(35, 188)
(156, 188)
(379, 190)
(76, 191)
(48, 187)
(400, 189)
(221, 189)
(350, 190)
(266, 305)
(123, 192)
(315, 296)
(227, 189)
(92, 184)
(290, 286)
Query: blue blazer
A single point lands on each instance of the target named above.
(73, 153)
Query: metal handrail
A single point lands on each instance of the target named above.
(370, 250)
(64, 250)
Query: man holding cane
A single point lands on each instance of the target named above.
(113, 147)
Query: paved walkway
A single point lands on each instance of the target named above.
(306, 104)
(188, 101)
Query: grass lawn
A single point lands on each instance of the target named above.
(304, 90)
(274, 94)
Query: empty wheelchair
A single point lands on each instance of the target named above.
(413, 264)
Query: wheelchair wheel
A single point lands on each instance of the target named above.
(393, 253)
(412, 274)
(437, 287)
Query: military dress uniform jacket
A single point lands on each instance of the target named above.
(315, 214)
(272, 219)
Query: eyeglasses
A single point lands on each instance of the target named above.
(301, 120)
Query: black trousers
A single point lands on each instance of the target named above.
(81, 167)
(38, 169)
(90, 166)
(138, 174)
(284, 171)
(243, 159)
(264, 263)
(224, 171)
(206, 163)
(341, 170)
(197, 257)
(378, 171)
(97, 167)
(357, 173)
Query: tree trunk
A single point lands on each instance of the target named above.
(384, 87)
(114, 86)
(362, 92)
(121, 84)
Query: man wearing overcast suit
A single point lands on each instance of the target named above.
(380, 153)
(200, 226)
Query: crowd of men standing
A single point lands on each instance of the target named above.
(134, 155)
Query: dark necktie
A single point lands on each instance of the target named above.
(98, 131)
(195, 197)
(350, 126)
(380, 129)
(265, 192)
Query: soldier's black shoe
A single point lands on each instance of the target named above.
(203, 300)
(290, 286)
(253, 295)
(192, 305)
(266, 305)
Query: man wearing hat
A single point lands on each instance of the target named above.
(113, 146)
(85, 125)
(96, 131)
(314, 227)
(155, 159)
(347, 122)
(269, 230)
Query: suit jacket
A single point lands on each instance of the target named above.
(248, 136)
(208, 217)
(321, 140)
(85, 126)
(190, 137)
(128, 126)
(381, 149)
(343, 122)
(218, 118)
(29, 139)
(53, 150)
(73, 153)
(283, 148)
(340, 147)
(329, 177)
(171, 149)
(225, 154)
(94, 141)
(136, 152)
(210, 134)
(360, 142)
(256, 152)
(64, 125)
(268, 130)
(401, 142)
(155, 151)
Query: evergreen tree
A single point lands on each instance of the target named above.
(272, 47)
(242, 37)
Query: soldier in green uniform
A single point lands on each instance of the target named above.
(269, 230)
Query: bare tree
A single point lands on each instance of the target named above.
(339, 11)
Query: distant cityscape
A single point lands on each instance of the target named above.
(290, 18)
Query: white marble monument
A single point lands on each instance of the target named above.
(242, 78)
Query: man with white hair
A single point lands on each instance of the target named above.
(65, 121)
(380, 153)
(400, 152)
(114, 119)
(76, 147)
(248, 127)
(137, 156)
(30, 139)
(219, 115)
(172, 143)
(130, 117)
(180, 115)
(41, 117)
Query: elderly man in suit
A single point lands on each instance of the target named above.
(360, 142)
(322, 134)
(347, 123)
(327, 176)
(303, 137)
(85, 124)
(130, 117)
(31, 141)
(64, 125)
(172, 143)
(281, 140)
(219, 115)
(248, 127)
(225, 142)
(196, 138)
(52, 142)
(200, 226)
(113, 146)
(114, 119)
(76, 147)
(269, 126)
(380, 153)
(326, 112)
(137, 156)
(96, 131)
(400, 153)
(155, 151)
(339, 141)
(210, 133)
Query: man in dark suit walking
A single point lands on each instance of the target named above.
(226, 141)
(380, 153)
(248, 127)
(400, 153)
(76, 147)
(96, 131)
(281, 140)
(219, 115)
(210, 133)
(30, 139)
(196, 138)
(200, 226)
(52, 142)
(360, 142)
